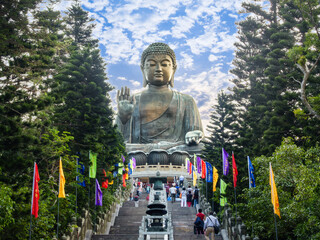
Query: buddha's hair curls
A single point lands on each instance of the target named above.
(159, 48)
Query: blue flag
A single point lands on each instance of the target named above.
(130, 169)
(252, 182)
(209, 174)
(80, 169)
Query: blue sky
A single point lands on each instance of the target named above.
(201, 32)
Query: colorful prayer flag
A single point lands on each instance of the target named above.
(194, 177)
(124, 180)
(98, 194)
(80, 169)
(93, 166)
(274, 194)
(35, 192)
(187, 163)
(195, 162)
(208, 172)
(134, 163)
(123, 159)
(105, 183)
(190, 168)
(62, 181)
(252, 182)
(223, 198)
(120, 168)
(235, 171)
(225, 156)
(203, 169)
(215, 179)
(199, 165)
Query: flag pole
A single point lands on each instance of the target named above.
(206, 190)
(249, 187)
(34, 172)
(235, 192)
(58, 208)
(77, 188)
(95, 208)
(274, 215)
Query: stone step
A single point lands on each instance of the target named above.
(116, 237)
(124, 229)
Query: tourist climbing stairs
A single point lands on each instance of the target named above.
(182, 220)
(126, 225)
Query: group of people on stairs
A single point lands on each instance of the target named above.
(206, 225)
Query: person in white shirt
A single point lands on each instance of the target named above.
(173, 192)
(209, 224)
(184, 197)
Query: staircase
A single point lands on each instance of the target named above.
(182, 220)
(126, 225)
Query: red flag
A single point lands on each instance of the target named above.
(124, 180)
(235, 171)
(106, 182)
(35, 192)
(190, 168)
(203, 169)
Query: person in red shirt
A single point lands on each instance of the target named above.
(199, 228)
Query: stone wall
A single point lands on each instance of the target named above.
(83, 228)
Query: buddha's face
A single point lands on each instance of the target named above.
(158, 69)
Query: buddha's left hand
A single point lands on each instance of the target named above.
(193, 137)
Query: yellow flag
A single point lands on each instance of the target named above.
(127, 174)
(215, 178)
(62, 181)
(194, 178)
(274, 194)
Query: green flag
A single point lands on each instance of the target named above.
(93, 166)
(223, 199)
(120, 169)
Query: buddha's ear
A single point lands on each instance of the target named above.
(172, 78)
(145, 83)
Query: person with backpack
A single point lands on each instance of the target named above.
(195, 196)
(211, 226)
(189, 198)
(199, 222)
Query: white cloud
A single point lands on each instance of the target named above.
(186, 61)
(135, 83)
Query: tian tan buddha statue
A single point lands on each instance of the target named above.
(159, 117)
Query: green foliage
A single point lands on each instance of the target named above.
(296, 175)
(48, 66)
(6, 206)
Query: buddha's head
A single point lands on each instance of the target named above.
(158, 65)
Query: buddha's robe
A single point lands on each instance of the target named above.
(180, 117)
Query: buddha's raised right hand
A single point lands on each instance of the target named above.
(125, 104)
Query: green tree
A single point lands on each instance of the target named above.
(296, 174)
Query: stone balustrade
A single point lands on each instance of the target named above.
(231, 228)
(166, 170)
(234, 226)
(84, 227)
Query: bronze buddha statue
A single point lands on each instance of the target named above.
(158, 117)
